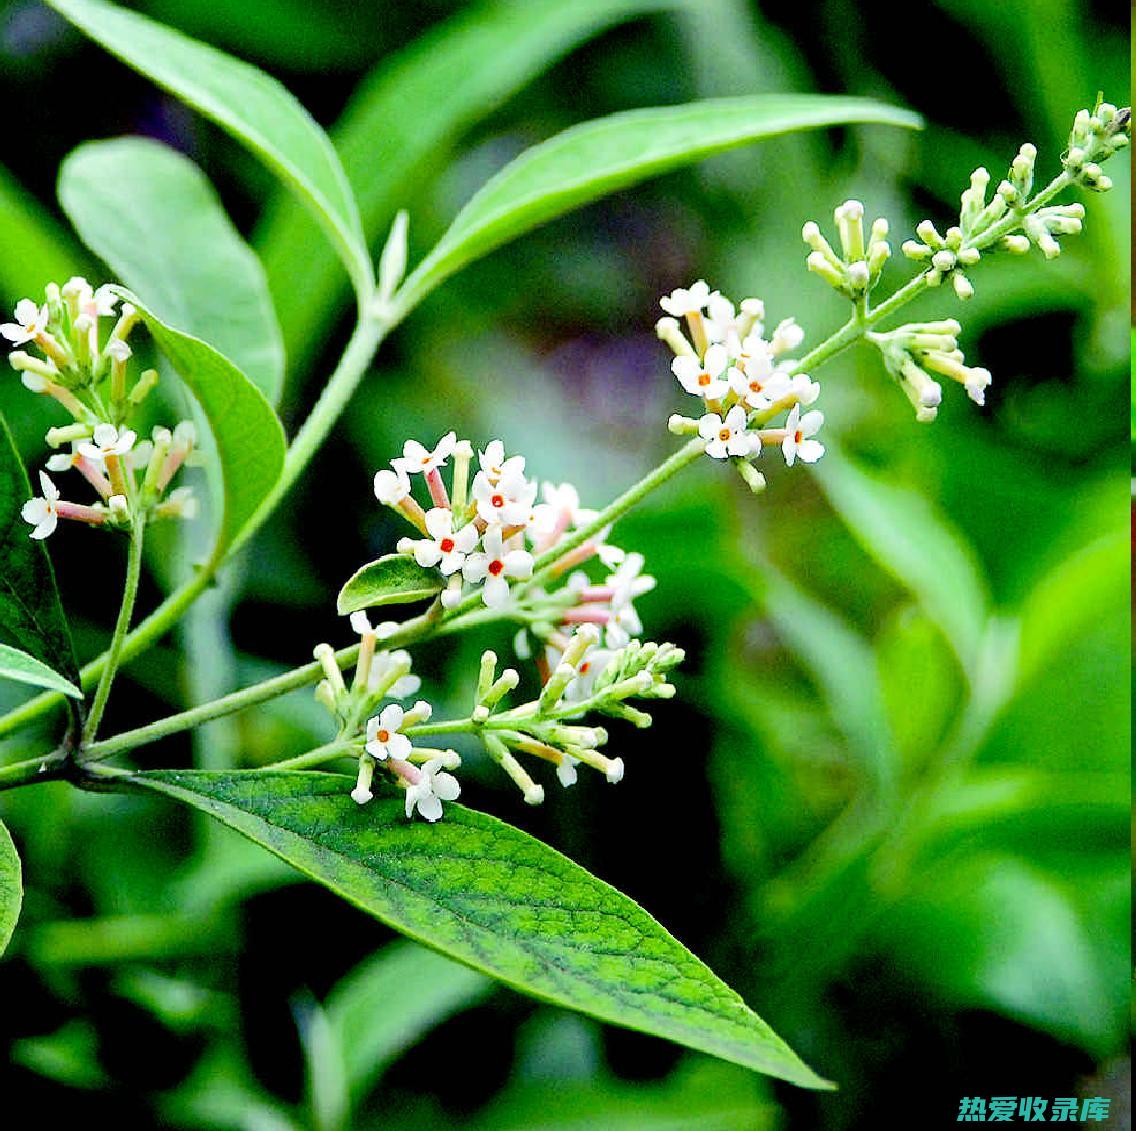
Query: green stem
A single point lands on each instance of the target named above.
(46, 768)
(329, 752)
(122, 625)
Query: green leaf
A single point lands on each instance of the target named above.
(600, 157)
(247, 103)
(1076, 594)
(19, 666)
(395, 579)
(916, 544)
(250, 441)
(31, 616)
(387, 1003)
(841, 662)
(491, 896)
(11, 887)
(406, 112)
(34, 248)
(151, 215)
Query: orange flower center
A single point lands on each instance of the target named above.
(704, 379)
(797, 437)
(724, 434)
(496, 567)
(384, 736)
(447, 545)
(497, 501)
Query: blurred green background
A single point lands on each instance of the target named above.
(891, 803)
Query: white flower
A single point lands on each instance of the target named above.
(787, 336)
(383, 737)
(99, 302)
(361, 794)
(804, 389)
(30, 320)
(705, 378)
(566, 770)
(976, 384)
(382, 630)
(724, 324)
(42, 512)
(108, 441)
(587, 671)
(494, 463)
(433, 787)
(444, 548)
(728, 437)
(494, 566)
(403, 687)
(798, 429)
(507, 502)
(391, 487)
(417, 458)
(758, 384)
(628, 583)
(118, 350)
(680, 302)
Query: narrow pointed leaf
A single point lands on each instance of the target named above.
(917, 545)
(31, 615)
(394, 579)
(149, 213)
(11, 887)
(407, 111)
(490, 896)
(391, 1000)
(250, 441)
(256, 109)
(19, 666)
(600, 157)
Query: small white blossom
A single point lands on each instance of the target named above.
(976, 384)
(804, 389)
(100, 302)
(707, 378)
(42, 512)
(361, 794)
(382, 630)
(587, 671)
(494, 566)
(415, 457)
(391, 487)
(433, 787)
(728, 437)
(566, 770)
(787, 336)
(495, 465)
(628, 583)
(798, 430)
(686, 301)
(759, 382)
(404, 686)
(445, 548)
(508, 502)
(383, 737)
(724, 324)
(30, 320)
(108, 441)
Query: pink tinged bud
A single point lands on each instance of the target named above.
(596, 593)
(96, 516)
(94, 476)
(408, 773)
(437, 488)
(586, 615)
(574, 558)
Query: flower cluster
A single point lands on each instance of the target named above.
(918, 352)
(380, 734)
(583, 678)
(859, 270)
(743, 379)
(483, 537)
(83, 362)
